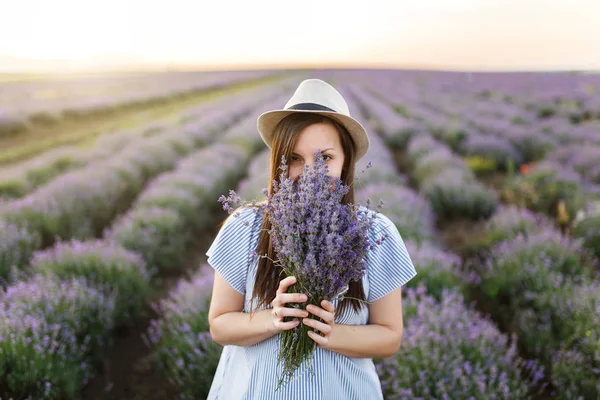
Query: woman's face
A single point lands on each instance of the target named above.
(321, 136)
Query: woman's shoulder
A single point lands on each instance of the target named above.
(241, 216)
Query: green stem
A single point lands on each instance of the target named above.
(296, 346)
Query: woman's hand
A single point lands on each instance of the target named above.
(279, 311)
(327, 315)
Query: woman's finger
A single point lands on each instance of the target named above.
(292, 298)
(285, 283)
(320, 340)
(327, 305)
(291, 312)
(318, 325)
(325, 315)
(284, 326)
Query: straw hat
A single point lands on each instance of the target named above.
(317, 97)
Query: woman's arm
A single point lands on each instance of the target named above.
(380, 338)
(230, 325)
(228, 322)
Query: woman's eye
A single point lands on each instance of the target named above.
(327, 156)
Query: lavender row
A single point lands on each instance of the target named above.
(125, 275)
(555, 189)
(439, 273)
(396, 129)
(80, 204)
(502, 133)
(151, 237)
(79, 98)
(445, 179)
(450, 351)
(17, 245)
(19, 180)
(183, 349)
(566, 351)
(567, 179)
(448, 183)
(483, 361)
(572, 96)
(177, 204)
(547, 288)
(53, 331)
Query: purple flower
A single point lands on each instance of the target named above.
(103, 263)
(409, 211)
(438, 269)
(510, 221)
(449, 351)
(17, 245)
(495, 148)
(49, 328)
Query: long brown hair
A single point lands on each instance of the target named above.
(268, 274)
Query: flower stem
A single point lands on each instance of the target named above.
(296, 346)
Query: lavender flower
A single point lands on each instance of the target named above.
(182, 346)
(104, 263)
(438, 270)
(16, 247)
(453, 195)
(531, 144)
(509, 221)
(409, 211)
(563, 330)
(386, 172)
(320, 241)
(450, 352)
(52, 334)
(521, 268)
(158, 234)
(258, 172)
(396, 128)
(495, 148)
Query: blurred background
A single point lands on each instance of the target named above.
(123, 122)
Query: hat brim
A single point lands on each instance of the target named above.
(267, 122)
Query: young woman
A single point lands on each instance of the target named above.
(249, 298)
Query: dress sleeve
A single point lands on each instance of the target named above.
(229, 254)
(389, 265)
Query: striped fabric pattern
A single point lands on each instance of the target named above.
(246, 373)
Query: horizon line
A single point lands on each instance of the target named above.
(179, 67)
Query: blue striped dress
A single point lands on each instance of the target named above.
(245, 373)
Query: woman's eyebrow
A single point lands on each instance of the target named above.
(322, 151)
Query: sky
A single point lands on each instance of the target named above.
(433, 34)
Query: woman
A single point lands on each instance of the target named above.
(249, 297)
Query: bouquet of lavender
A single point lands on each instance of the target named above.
(317, 239)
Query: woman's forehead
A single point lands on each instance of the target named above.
(316, 137)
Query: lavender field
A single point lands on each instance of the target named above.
(493, 180)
